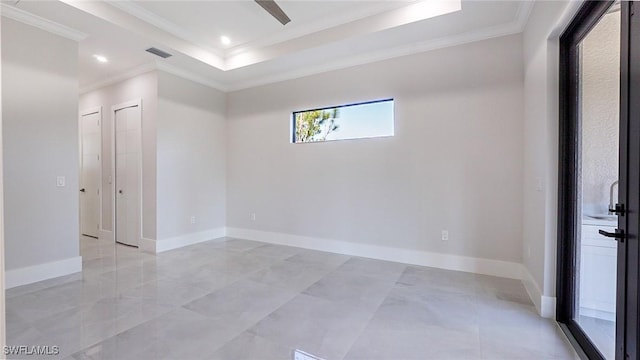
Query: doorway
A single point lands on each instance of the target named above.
(127, 169)
(599, 183)
(90, 171)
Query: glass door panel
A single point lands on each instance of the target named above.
(598, 149)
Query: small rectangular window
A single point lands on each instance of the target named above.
(354, 121)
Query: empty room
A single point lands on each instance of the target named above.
(319, 180)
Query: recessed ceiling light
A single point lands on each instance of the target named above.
(101, 58)
(225, 40)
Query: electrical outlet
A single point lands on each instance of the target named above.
(193, 219)
(445, 235)
(539, 184)
(61, 181)
(252, 216)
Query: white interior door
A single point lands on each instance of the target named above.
(90, 174)
(128, 174)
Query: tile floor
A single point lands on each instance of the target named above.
(238, 299)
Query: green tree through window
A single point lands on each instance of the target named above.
(344, 122)
(316, 125)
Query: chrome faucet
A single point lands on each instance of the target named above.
(612, 206)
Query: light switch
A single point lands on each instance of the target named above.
(61, 181)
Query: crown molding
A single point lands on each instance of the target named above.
(147, 16)
(172, 28)
(415, 12)
(160, 66)
(28, 18)
(514, 27)
(138, 70)
(321, 24)
(523, 14)
(185, 74)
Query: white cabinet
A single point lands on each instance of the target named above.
(598, 265)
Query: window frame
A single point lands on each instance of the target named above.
(294, 113)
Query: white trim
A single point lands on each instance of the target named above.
(28, 18)
(523, 14)
(158, 246)
(136, 103)
(161, 66)
(138, 70)
(91, 111)
(2, 250)
(514, 27)
(35, 273)
(545, 305)
(147, 16)
(147, 245)
(511, 28)
(106, 235)
(532, 287)
(86, 112)
(371, 19)
(185, 74)
(548, 307)
(500, 268)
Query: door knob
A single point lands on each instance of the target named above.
(617, 234)
(82, 190)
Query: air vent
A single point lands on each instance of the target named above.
(158, 52)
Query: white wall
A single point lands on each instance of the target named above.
(191, 158)
(39, 112)
(541, 54)
(455, 162)
(145, 87)
(183, 157)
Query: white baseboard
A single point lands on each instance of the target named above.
(147, 245)
(545, 305)
(35, 273)
(158, 246)
(548, 307)
(416, 257)
(105, 235)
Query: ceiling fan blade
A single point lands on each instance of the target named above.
(272, 8)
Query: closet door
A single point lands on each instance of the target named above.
(128, 174)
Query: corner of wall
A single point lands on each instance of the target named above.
(545, 305)
(548, 20)
(161, 245)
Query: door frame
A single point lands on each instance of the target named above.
(2, 272)
(90, 111)
(630, 110)
(128, 104)
(569, 142)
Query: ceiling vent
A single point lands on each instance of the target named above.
(158, 52)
